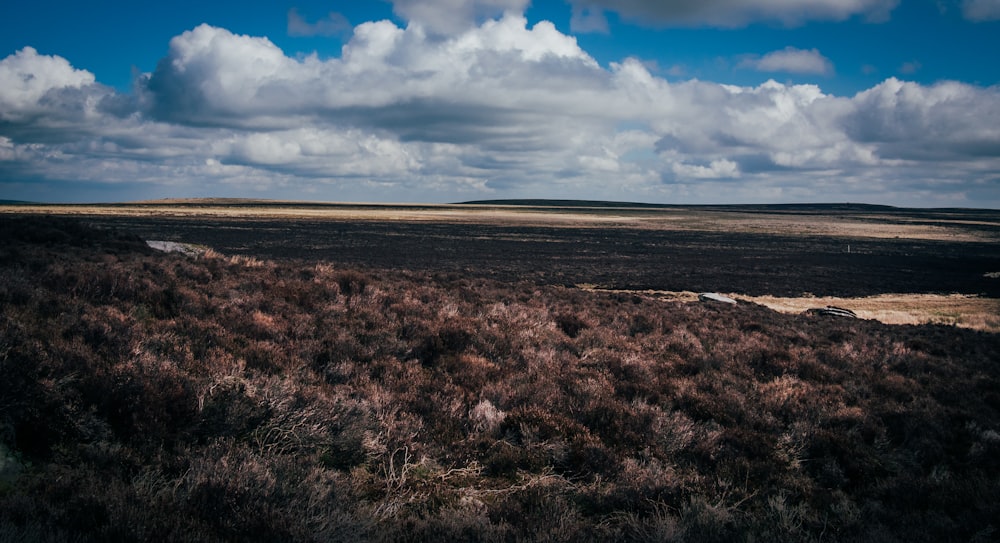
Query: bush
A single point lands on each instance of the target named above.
(161, 396)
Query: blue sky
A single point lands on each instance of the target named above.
(684, 101)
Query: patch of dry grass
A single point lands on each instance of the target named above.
(962, 310)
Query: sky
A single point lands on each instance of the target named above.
(893, 102)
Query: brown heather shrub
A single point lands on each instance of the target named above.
(571, 324)
(176, 398)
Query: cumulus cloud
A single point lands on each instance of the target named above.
(735, 13)
(501, 108)
(981, 10)
(948, 121)
(387, 77)
(28, 80)
(210, 73)
(791, 60)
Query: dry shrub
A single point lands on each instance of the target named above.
(485, 417)
(219, 398)
(351, 283)
(571, 324)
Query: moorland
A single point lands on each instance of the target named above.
(495, 372)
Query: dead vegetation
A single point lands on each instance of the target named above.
(160, 396)
(962, 310)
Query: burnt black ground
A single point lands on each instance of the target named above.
(752, 264)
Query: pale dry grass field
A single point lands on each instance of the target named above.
(845, 225)
(961, 310)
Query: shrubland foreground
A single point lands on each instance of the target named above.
(149, 396)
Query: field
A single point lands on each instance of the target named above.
(895, 265)
(497, 373)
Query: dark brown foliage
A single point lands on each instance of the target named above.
(148, 396)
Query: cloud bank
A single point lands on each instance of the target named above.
(475, 103)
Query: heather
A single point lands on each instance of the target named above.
(151, 396)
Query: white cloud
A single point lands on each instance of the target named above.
(314, 152)
(981, 10)
(212, 76)
(791, 60)
(717, 169)
(736, 13)
(944, 122)
(26, 78)
(499, 109)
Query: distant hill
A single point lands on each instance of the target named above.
(209, 201)
(563, 203)
(748, 207)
